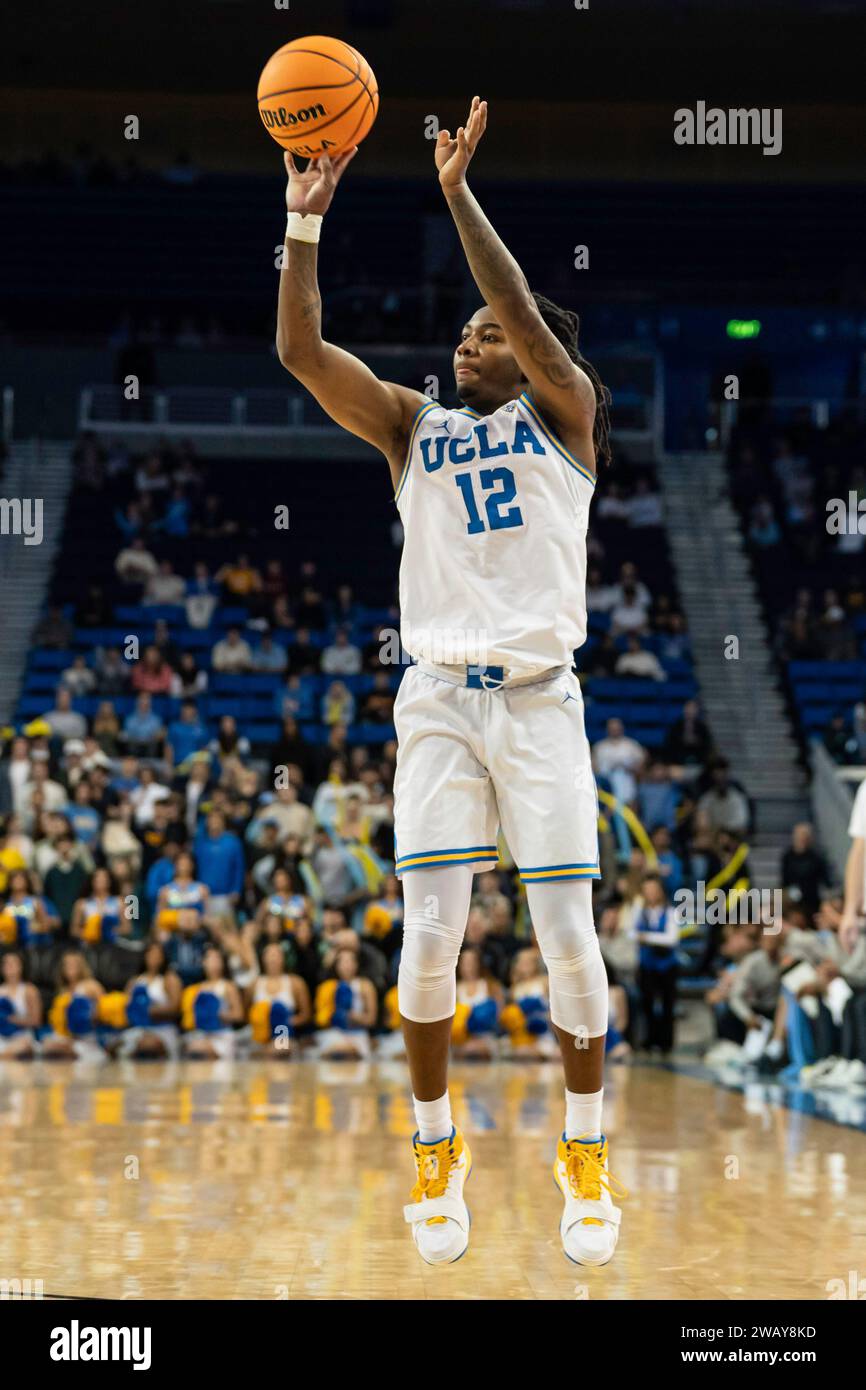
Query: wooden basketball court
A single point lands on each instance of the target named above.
(287, 1180)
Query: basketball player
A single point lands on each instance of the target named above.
(494, 499)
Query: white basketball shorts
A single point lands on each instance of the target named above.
(470, 760)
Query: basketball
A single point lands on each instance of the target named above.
(317, 96)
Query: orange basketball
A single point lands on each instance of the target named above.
(317, 96)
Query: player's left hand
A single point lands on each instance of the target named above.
(453, 155)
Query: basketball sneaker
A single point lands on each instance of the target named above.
(590, 1222)
(840, 1075)
(438, 1215)
(814, 1073)
(856, 1073)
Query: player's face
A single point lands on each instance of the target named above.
(485, 369)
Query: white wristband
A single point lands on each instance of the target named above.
(304, 226)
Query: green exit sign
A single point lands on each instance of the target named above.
(743, 328)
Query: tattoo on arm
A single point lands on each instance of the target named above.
(498, 276)
(300, 304)
(551, 358)
(312, 311)
(493, 267)
(303, 258)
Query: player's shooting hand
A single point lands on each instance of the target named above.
(453, 155)
(313, 189)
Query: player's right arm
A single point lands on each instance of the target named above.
(380, 412)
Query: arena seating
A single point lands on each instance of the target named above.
(353, 544)
(805, 573)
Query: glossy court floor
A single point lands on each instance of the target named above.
(270, 1180)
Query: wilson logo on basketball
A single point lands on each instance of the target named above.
(281, 118)
(335, 89)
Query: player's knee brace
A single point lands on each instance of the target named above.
(426, 983)
(562, 917)
(436, 907)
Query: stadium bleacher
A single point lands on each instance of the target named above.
(350, 539)
(810, 578)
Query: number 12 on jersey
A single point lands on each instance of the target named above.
(500, 488)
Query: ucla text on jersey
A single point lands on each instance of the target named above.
(494, 511)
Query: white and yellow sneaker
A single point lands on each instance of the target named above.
(590, 1222)
(438, 1215)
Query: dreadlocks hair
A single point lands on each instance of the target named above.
(565, 327)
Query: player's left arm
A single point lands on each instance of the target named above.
(563, 392)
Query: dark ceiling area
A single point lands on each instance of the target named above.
(723, 51)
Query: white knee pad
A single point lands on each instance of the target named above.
(562, 917)
(436, 906)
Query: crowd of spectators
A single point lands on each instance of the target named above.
(125, 796)
(818, 626)
(106, 856)
(789, 991)
(790, 487)
(801, 493)
(791, 997)
(100, 842)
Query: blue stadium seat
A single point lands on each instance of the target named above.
(827, 670)
(40, 683)
(259, 684)
(371, 733)
(656, 691)
(45, 660)
(242, 707)
(146, 614)
(259, 732)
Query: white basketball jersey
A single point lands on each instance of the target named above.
(495, 511)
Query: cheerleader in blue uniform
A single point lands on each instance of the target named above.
(391, 900)
(211, 1010)
(97, 918)
(283, 902)
(280, 1005)
(20, 1009)
(346, 1009)
(153, 1008)
(476, 1017)
(182, 903)
(276, 918)
(23, 920)
(74, 1012)
(526, 1016)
